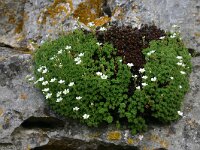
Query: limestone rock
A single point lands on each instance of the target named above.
(27, 123)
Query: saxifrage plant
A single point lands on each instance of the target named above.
(93, 82)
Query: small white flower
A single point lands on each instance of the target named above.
(172, 78)
(39, 69)
(173, 35)
(66, 91)
(130, 64)
(102, 29)
(141, 70)
(45, 83)
(144, 77)
(99, 73)
(138, 87)
(60, 65)
(140, 137)
(153, 79)
(104, 76)
(78, 98)
(60, 51)
(162, 37)
(183, 65)
(71, 84)
(61, 81)
(99, 44)
(48, 95)
(120, 60)
(81, 54)
(182, 72)
(53, 80)
(75, 109)
(180, 87)
(44, 71)
(134, 76)
(77, 59)
(180, 113)
(86, 116)
(41, 79)
(59, 99)
(58, 94)
(91, 24)
(179, 63)
(151, 52)
(92, 104)
(144, 84)
(31, 79)
(68, 47)
(78, 62)
(52, 58)
(179, 57)
(45, 90)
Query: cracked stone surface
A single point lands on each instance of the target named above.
(27, 123)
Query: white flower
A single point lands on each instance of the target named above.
(71, 84)
(78, 62)
(130, 64)
(140, 137)
(45, 90)
(60, 51)
(75, 109)
(59, 99)
(182, 72)
(99, 73)
(144, 84)
(104, 76)
(134, 76)
(120, 60)
(180, 113)
(53, 80)
(151, 52)
(183, 65)
(66, 91)
(179, 57)
(68, 47)
(78, 98)
(179, 63)
(41, 79)
(48, 95)
(172, 78)
(77, 59)
(144, 77)
(91, 24)
(141, 70)
(92, 104)
(60, 65)
(61, 81)
(180, 87)
(39, 69)
(153, 79)
(81, 54)
(102, 29)
(45, 70)
(58, 94)
(173, 35)
(162, 37)
(45, 83)
(52, 58)
(138, 87)
(99, 44)
(31, 79)
(86, 116)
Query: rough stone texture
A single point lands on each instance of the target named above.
(27, 123)
(26, 21)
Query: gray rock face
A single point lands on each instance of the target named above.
(25, 21)
(27, 123)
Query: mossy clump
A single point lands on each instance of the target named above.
(123, 75)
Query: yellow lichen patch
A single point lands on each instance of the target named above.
(197, 34)
(19, 26)
(164, 143)
(101, 21)
(130, 141)
(114, 135)
(89, 11)
(23, 96)
(56, 9)
(118, 13)
(1, 111)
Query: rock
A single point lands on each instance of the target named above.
(27, 123)
(26, 24)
